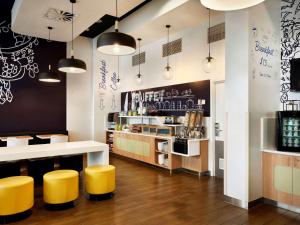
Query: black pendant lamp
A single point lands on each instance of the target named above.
(139, 79)
(50, 76)
(116, 43)
(72, 65)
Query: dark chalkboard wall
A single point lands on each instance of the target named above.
(27, 105)
(174, 99)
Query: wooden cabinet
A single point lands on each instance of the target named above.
(296, 181)
(281, 178)
(134, 146)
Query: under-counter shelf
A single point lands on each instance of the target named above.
(187, 147)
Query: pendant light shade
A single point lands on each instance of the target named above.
(72, 65)
(227, 5)
(139, 79)
(168, 75)
(49, 76)
(116, 43)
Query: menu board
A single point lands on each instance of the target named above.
(173, 100)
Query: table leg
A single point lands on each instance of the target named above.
(98, 158)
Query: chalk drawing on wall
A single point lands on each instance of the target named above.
(290, 47)
(16, 61)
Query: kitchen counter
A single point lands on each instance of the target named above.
(156, 136)
(297, 154)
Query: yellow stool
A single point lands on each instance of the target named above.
(61, 186)
(100, 180)
(16, 195)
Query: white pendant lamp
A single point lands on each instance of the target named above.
(72, 65)
(209, 63)
(228, 5)
(168, 75)
(139, 79)
(116, 43)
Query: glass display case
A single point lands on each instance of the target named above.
(288, 130)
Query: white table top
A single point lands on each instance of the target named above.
(297, 154)
(18, 137)
(50, 150)
(48, 136)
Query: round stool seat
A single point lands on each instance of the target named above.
(100, 179)
(16, 195)
(61, 186)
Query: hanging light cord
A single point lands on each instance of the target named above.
(117, 19)
(139, 57)
(118, 79)
(72, 50)
(209, 56)
(168, 47)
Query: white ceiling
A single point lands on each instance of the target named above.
(28, 16)
(188, 14)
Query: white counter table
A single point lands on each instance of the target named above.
(97, 152)
(274, 151)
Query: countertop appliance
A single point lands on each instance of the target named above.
(288, 131)
(171, 120)
(112, 120)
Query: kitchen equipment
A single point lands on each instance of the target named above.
(171, 120)
(112, 119)
(288, 131)
(161, 159)
(186, 119)
(162, 146)
(181, 146)
(192, 120)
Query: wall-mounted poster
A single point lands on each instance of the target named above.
(172, 100)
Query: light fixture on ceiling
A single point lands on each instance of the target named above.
(118, 79)
(116, 43)
(139, 79)
(209, 63)
(168, 73)
(72, 65)
(50, 76)
(227, 5)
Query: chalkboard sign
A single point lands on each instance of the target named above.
(172, 100)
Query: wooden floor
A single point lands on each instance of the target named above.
(146, 195)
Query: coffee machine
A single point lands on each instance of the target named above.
(112, 120)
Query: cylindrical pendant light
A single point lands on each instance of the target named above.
(168, 73)
(139, 79)
(228, 5)
(72, 65)
(116, 43)
(49, 76)
(209, 63)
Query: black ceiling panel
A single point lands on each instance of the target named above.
(108, 21)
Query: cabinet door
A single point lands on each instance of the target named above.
(278, 177)
(296, 182)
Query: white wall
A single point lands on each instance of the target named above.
(236, 105)
(79, 94)
(252, 92)
(264, 83)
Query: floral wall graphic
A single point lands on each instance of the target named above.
(15, 61)
(290, 46)
(28, 106)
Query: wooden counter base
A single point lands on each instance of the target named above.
(144, 148)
